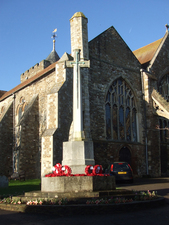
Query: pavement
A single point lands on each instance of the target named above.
(147, 216)
(161, 185)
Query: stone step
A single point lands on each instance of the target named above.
(80, 196)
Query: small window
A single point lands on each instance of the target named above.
(21, 108)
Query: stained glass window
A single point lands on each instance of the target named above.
(121, 113)
(115, 122)
(108, 120)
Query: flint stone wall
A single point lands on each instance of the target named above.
(6, 139)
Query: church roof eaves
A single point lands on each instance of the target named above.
(29, 81)
(146, 53)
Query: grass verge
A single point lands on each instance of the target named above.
(17, 187)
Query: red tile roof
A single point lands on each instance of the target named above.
(29, 81)
(146, 53)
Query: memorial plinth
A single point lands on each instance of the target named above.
(77, 184)
(78, 154)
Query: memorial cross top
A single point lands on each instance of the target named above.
(77, 95)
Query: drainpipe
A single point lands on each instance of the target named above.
(13, 130)
(145, 120)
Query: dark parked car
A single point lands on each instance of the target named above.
(121, 170)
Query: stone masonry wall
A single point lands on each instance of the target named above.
(6, 140)
(151, 121)
(29, 156)
(59, 118)
(34, 124)
(79, 36)
(107, 152)
(111, 58)
(86, 103)
(158, 68)
(47, 152)
(104, 70)
(65, 116)
(52, 111)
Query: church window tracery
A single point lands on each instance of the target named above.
(164, 87)
(121, 112)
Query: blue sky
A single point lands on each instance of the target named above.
(26, 27)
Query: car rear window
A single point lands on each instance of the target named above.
(121, 166)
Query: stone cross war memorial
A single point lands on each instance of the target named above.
(78, 152)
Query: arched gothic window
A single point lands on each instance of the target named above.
(19, 113)
(21, 108)
(120, 112)
(164, 87)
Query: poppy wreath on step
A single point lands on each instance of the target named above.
(66, 171)
(89, 170)
(97, 170)
(57, 170)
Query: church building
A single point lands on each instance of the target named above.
(125, 107)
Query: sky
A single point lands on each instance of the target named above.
(26, 28)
